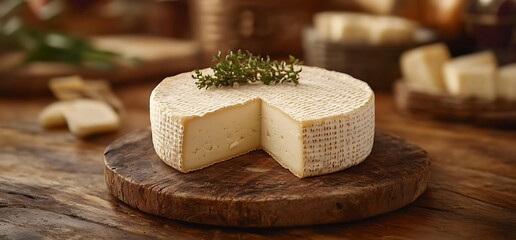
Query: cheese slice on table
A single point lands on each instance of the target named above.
(422, 67)
(87, 117)
(472, 75)
(322, 125)
(506, 82)
(84, 117)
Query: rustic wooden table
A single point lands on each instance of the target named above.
(52, 184)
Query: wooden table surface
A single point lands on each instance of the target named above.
(52, 184)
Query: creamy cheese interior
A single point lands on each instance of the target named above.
(221, 135)
(239, 129)
(281, 138)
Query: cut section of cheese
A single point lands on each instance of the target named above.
(422, 67)
(323, 125)
(222, 134)
(506, 82)
(282, 138)
(472, 75)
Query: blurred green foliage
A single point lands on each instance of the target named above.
(44, 45)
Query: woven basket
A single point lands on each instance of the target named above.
(499, 113)
(376, 65)
(260, 26)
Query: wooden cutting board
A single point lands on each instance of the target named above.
(253, 190)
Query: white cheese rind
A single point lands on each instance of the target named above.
(338, 143)
(330, 114)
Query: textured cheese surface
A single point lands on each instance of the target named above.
(324, 124)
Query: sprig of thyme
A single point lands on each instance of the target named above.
(243, 68)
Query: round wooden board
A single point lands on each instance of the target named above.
(253, 190)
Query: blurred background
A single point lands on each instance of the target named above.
(130, 41)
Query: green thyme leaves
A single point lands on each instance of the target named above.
(243, 68)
